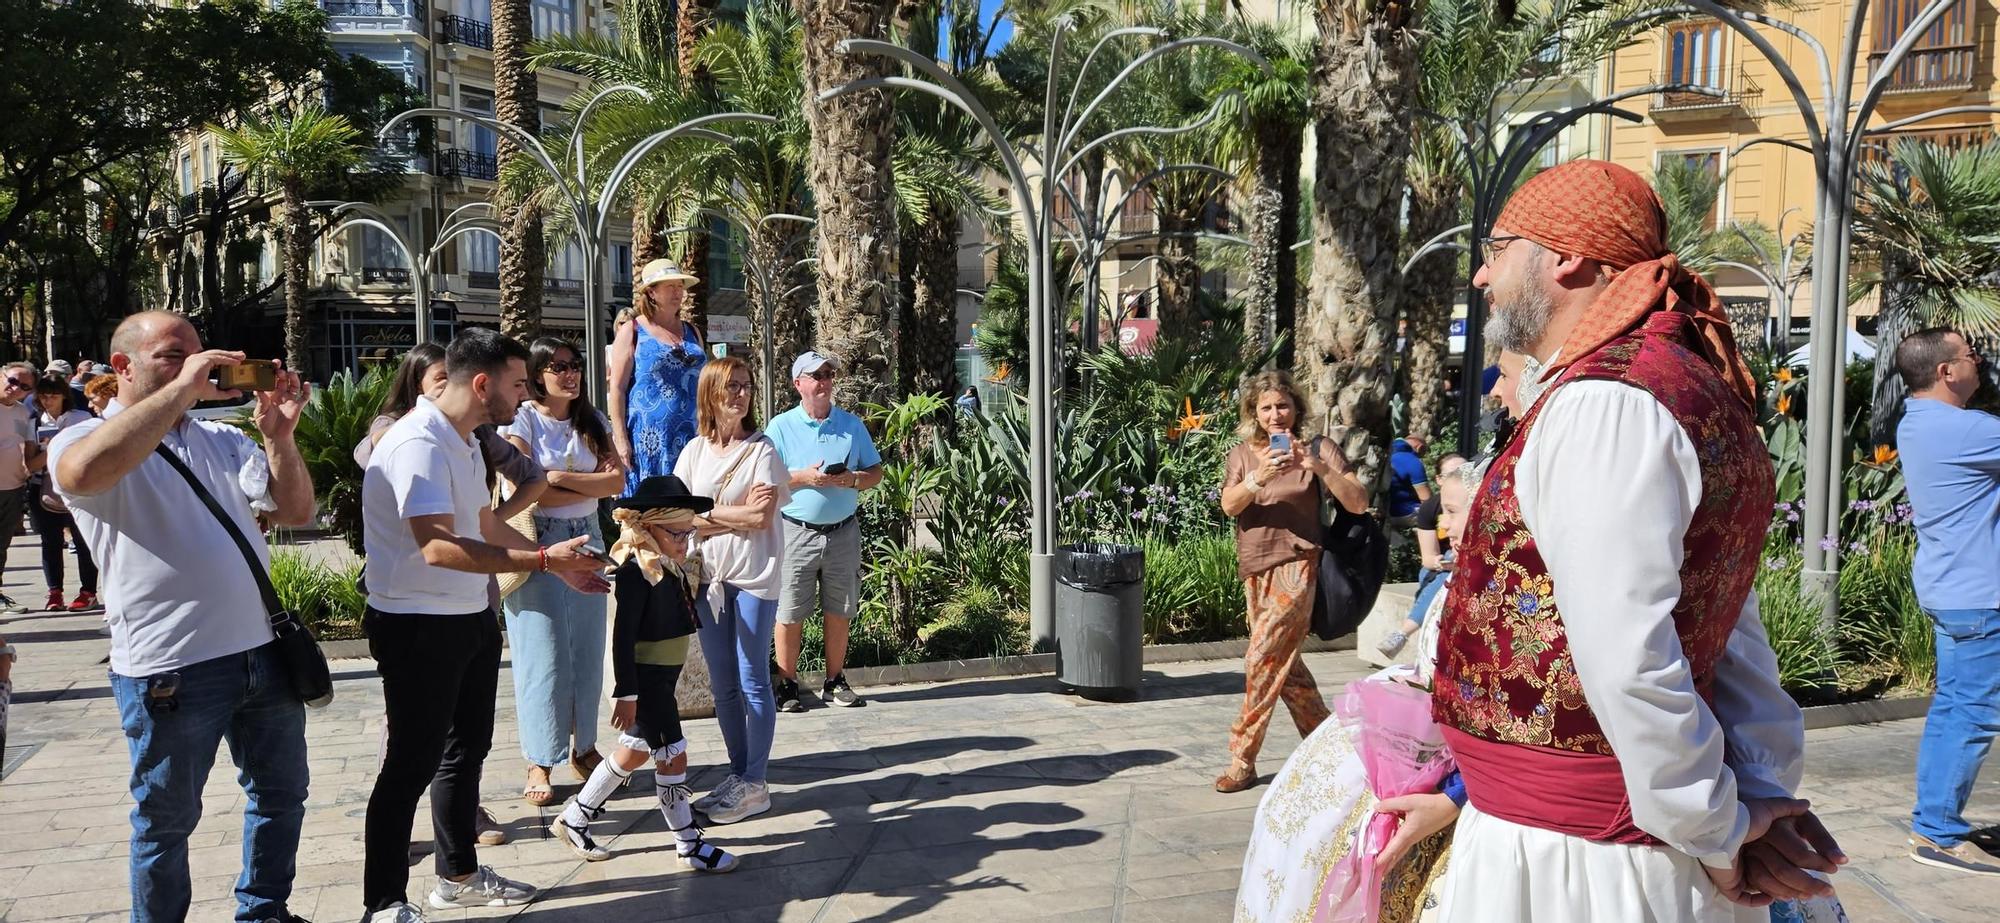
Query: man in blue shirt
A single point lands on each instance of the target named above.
(832, 460)
(1409, 487)
(1951, 464)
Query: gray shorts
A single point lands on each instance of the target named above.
(823, 568)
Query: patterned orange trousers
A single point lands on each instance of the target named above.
(1280, 614)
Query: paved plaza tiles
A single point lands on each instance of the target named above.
(986, 800)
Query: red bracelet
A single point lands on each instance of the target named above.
(543, 554)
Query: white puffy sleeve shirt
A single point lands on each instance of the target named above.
(1608, 484)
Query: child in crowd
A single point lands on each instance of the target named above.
(654, 589)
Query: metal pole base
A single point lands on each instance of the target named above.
(1042, 602)
(1822, 587)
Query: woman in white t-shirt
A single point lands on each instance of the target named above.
(741, 552)
(556, 634)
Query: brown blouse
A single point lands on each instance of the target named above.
(1282, 523)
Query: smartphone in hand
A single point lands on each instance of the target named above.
(248, 375)
(1281, 443)
(594, 552)
(837, 468)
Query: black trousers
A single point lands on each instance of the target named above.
(49, 526)
(440, 674)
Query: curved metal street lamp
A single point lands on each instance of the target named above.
(468, 218)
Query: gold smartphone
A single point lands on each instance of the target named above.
(248, 375)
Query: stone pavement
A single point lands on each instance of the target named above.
(976, 800)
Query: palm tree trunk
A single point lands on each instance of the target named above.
(516, 96)
(1365, 87)
(851, 137)
(1892, 325)
(298, 254)
(692, 20)
(1180, 273)
(1272, 306)
(1431, 291)
(930, 337)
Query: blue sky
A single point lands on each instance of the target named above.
(1004, 31)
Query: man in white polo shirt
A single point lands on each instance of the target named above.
(192, 658)
(432, 540)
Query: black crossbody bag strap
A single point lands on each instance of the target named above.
(279, 617)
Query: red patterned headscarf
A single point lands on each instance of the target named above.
(1606, 212)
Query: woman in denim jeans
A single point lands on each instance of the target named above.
(556, 633)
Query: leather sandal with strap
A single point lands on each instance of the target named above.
(585, 763)
(538, 791)
(1232, 782)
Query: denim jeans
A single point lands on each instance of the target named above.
(245, 699)
(736, 643)
(1964, 717)
(1429, 584)
(556, 636)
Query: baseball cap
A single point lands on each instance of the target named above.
(809, 362)
(60, 367)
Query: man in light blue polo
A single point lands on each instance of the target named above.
(832, 460)
(1951, 463)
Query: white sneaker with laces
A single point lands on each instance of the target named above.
(9, 606)
(484, 889)
(401, 913)
(748, 800)
(578, 840)
(718, 794)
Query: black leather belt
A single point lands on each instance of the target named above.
(816, 527)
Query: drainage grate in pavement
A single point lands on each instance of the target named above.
(15, 756)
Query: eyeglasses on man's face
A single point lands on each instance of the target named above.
(1490, 248)
(821, 375)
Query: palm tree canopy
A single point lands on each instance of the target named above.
(305, 144)
(1930, 217)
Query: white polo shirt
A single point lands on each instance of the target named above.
(422, 467)
(176, 590)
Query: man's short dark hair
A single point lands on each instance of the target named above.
(1920, 354)
(478, 350)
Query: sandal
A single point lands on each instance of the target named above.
(538, 791)
(1230, 783)
(585, 763)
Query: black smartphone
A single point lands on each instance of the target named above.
(593, 551)
(835, 468)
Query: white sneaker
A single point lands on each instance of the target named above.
(401, 913)
(9, 606)
(718, 794)
(483, 889)
(748, 800)
(578, 840)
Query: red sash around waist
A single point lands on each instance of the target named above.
(1570, 792)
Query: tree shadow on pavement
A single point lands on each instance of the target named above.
(1154, 686)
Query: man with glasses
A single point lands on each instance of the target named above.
(1951, 463)
(832, 460)
(19, 451)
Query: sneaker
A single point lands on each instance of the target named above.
(838, 692)
(400, 913)
(483, 889)
(1965, 857)
(577, 839)
(748, 800)
(788, 695)
(490, 831)
(56, 603)
(85, 600)
(9, 606)
(1392, 643)
(717, 794)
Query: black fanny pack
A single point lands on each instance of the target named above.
(828, 529)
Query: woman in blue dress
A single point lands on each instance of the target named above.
(656, 362)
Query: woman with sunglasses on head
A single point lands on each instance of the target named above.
(555, 632)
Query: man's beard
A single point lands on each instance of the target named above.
(501, 411)
(1518, 326)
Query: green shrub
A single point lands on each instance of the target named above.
(976, 623)
(1881, 621)
(1192, 591)
(1808, 658)
(322, 596)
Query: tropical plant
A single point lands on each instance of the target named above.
(1269, 112)
(293, 150)
(336, 419)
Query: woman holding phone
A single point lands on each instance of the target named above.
(1271, 485)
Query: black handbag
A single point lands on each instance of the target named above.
(1353, 563)
(312, 681)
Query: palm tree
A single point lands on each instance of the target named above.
(516, 96)
(1929, 218)
(1269, 121)
(853, 139)
(293, 152)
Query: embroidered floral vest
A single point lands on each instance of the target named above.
(1504, 671)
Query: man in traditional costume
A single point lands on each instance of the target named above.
(1603, 677)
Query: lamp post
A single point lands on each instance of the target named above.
(767, 278)
(590, 212)
(467, 218)
(1061, 147)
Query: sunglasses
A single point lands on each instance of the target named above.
(19, 385)
(562, 367)
(821, 375)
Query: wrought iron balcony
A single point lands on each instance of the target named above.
(413, 9)
(462, 31)
(1947, 68)
(1726, 93)
(461, 162)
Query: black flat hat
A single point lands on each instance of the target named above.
(664, 491)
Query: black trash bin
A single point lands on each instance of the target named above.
(1100, 619)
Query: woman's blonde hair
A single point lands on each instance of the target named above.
(1252, 389)
(712, 389)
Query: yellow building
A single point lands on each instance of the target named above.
(1951, 65)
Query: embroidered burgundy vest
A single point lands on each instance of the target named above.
(1504, 674)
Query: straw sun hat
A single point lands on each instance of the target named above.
(658, 271)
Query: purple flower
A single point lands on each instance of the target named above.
(1213, 495)
(1781, 507)
(1084, 495)
(1861, 506)
(1857, 548)
(1126, 490)
(1792, 516)
(1138, 514)
(1774, 563)
(1828, 543)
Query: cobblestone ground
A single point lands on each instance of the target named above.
(979, 800)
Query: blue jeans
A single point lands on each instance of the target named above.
(245, 699)
(1429, 584)
(736, 643)
(556, 636)
(1964, 717)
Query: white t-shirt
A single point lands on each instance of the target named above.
(750, 562)
(176, 589)
(422, 467)
(556, 446)
(17, 431)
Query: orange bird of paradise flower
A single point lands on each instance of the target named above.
(1189, 421)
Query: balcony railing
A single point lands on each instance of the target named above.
(1731, 88)
(413, 9)
(461, 162)
(1931, 69)
(1883, 147)
(462, 31)
(385, 275)
(482, 280)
